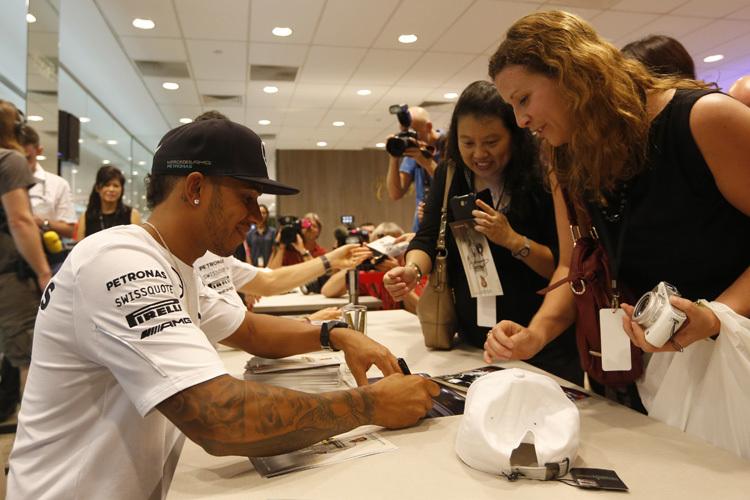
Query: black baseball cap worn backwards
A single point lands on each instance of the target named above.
(216, 147)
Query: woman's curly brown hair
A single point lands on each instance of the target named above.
(604, 94)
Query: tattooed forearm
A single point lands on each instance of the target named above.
(227, 416)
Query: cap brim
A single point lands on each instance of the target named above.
(269, 186)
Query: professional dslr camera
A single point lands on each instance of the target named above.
(289, 227)
(402, 141)
(659, 319)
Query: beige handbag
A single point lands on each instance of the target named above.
(436, 308)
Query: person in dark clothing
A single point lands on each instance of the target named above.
(106, 208)
(490, 152)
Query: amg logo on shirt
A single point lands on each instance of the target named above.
(167, 324)
(152, 311)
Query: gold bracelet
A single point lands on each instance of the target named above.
(414, 265)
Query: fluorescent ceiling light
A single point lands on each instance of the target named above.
(264, 122)
(380, 145)
(144, 24)
(714, 58)
(270, 90)
(338, 124)
(170, 85)
(450, 95)
(106, 162)
(111, 142)
(364, 92)
(84, 119)
(30, 18)
(407, 38)
(35, 118)
(186, 120)
(281, 31)
(322, 144)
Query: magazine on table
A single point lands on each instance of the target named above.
(316, 372)
(337, 449)
(460, 382)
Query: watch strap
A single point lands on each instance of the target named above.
(524, 251)
(325, 334)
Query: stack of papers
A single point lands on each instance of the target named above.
(305, 372)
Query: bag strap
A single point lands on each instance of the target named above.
(444, 210)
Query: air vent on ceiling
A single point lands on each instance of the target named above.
(222, 100)
(260, 72)
(267, 137)
(163, 69)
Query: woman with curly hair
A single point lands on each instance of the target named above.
(660, 161)
(105, 208)
(491, 154)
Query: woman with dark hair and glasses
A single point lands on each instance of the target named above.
(497, 161)
(105, 208)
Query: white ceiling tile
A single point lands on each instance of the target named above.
(315, 95)
(214, 20)
(482, 25)
(649, 6)
(121, 15)
(302, 16)
(427, 19)
(353, 23)
(213, 60)
(711, 9)
(221, 87)
(278, 54)
(155, 49)
(613, 25)
(384, 67)
(330, 64)
(435, 68)
(349, 99)
(186, 95)
(674, 26)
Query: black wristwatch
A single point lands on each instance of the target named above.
(325, 334)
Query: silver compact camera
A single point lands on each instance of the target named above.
(659, 319)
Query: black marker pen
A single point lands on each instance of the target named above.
(402, 364)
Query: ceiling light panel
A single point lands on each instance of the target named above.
(300, 15)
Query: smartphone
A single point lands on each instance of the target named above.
(463, 205)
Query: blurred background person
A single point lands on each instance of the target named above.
(21, 251)
(371, 275)
(51, 197)
(304, 248)
(414, 166)
(490, 152)
(740, 90)
(260, 240)
(662, 55)
(106, 208)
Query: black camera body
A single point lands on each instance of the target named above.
(402, 141)
(289, 227)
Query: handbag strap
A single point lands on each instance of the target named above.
(444, 210)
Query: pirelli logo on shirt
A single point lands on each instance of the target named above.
(152, 311)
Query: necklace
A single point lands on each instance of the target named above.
(503, 210)
(613, 211)
(174, 262)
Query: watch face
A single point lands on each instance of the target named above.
(525, 251)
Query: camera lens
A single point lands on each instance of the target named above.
(397, 145)
(645, 310)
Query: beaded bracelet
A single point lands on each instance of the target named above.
(414, 265)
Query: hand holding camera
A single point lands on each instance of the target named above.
(659, 319)
(407, 138)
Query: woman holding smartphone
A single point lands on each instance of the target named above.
(494, 159)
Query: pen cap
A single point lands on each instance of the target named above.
(514, 418)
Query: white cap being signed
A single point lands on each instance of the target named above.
(519, 422)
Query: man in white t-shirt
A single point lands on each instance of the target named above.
(124, 360)
(51, 197)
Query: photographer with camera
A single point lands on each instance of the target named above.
(296, 240)
(417, 148)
